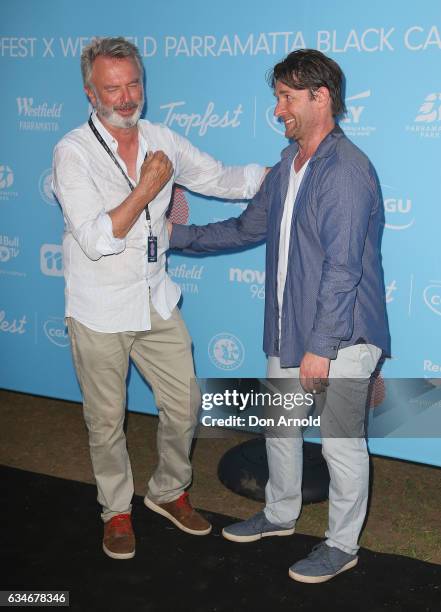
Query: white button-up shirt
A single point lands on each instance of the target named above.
(108, 279)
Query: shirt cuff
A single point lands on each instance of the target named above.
(107, 244)
(253, 179)
(324, 346)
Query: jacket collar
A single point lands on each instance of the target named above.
(325, 148)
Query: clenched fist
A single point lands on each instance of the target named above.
(156, 171)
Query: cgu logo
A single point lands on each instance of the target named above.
(432, 297)
(56, 331)
(354, 112)
(397, 209)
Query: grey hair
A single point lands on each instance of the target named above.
(117, 47)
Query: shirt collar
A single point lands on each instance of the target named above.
(325, 148)
(110, 141)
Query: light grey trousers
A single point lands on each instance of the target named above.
(347, 457)
(163, 357)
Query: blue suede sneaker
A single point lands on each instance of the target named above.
(254, 528)
(323, 563)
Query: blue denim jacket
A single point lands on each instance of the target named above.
(334, 293)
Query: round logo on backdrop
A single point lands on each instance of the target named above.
(45, 187)
(56, 332)
(226, 351)
(6, 177)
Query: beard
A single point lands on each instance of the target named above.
(110, 114)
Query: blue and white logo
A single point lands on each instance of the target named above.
(45, 187)
(56, 331)
(226, 351)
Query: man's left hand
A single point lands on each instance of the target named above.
(314, 372)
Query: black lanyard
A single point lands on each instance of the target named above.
(118, 165)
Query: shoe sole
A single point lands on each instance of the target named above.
(152, 506)
(318, 579)
(114, 555)
(257, 536)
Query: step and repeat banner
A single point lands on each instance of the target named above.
(205, 78)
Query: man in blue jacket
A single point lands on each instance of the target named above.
(320, 211)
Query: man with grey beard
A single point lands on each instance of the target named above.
(113, 177)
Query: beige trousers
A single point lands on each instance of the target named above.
(163, 357)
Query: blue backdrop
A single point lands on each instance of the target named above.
(206, 67)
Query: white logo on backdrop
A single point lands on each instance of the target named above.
(226, 351)
(4, 254)
(6, 177)
(398, 209)
(45, 187)
(14, 326)
(432, 296)
(267, 43)
(200, 122)
(352, 123)
(390, 289)
(39, 117)
(239, 275)
(56, 331)
(370, 40)
(255, 279)
(6, 181)
(186, 276)
(430, 110)
(428, 117)
(9, 248)
(431, 366)
(51, 259)
(418, 39)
